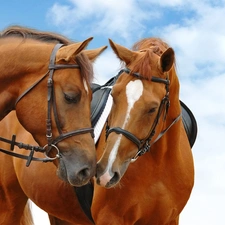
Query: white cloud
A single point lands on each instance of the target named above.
(197, 35)
(206, 98)
(105, 67)
(199, 42)
(124, 19)
(163, 3)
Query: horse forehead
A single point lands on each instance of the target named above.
(134, 90)
(73, 77)
(131, 90)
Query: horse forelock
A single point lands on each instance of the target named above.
(144, 65)
(150, 46)
(150, 42)
(86, 67)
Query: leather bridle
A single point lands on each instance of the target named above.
(145, 144)
(51, 104)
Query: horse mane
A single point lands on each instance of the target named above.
(150, 46)
(86, 67)
(151, 42)
(50, 37)
(24, 32)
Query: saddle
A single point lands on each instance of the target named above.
(100, 108)
(100, 98)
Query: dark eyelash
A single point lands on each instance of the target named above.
(72, 99)
(152, 110)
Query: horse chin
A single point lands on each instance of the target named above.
(74, 175)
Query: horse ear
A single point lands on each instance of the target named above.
(67, 52)
(122, 53)
(93, 53)
(166, 60)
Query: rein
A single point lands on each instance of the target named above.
(144, 144)
(51, 104)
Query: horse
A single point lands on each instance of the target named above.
(45, 78)
(38, 182)
(64, 208)
(145, 169)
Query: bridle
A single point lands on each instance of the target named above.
(145, 144)
(51, 104)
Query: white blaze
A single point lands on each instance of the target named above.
(134, 90)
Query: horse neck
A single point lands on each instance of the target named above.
(164, 144)
(174, 90)
(21, 58)
(21, 65)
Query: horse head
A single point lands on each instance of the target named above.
(52, 97)
(140, 104)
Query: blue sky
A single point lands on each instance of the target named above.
(196, 31)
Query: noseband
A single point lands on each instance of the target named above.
(145, 144)
(51, 104)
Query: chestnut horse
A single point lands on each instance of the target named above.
(120, 204)
(145, 173)
(48, 85)
(39, 182)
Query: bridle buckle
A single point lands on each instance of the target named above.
(47, 151)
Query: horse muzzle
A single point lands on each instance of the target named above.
(76, 170)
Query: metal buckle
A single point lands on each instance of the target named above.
(57, 156)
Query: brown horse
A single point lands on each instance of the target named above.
(41, 79)
(39, 182)
(145, 173)
(131, 201)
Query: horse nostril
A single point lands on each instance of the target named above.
(85, 172)
(114, 179)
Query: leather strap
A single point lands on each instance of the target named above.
(127, 134)
(73, 133)
(51, 103)
(28, 158)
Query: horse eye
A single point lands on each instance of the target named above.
(72, 98)
(152, 110)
